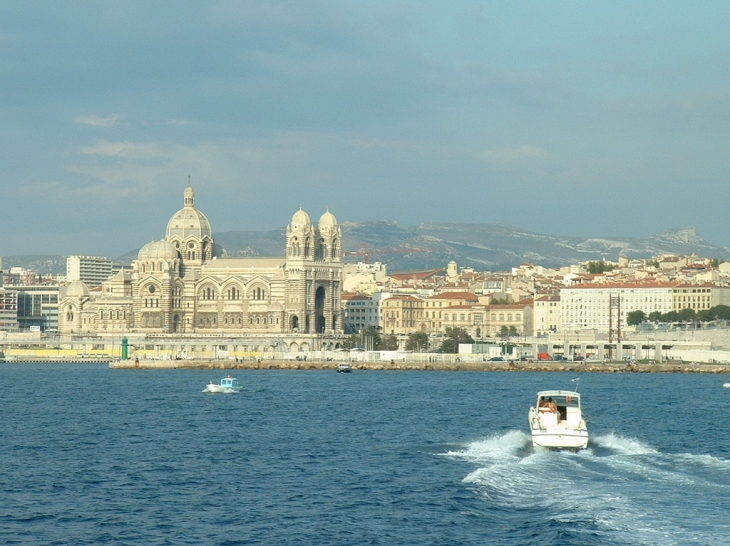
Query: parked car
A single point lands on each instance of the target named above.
(544, 356)
(560, 358)
(496, 359)
(578, 358)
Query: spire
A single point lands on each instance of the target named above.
(189, 195)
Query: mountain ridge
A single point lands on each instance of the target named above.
(490, 246)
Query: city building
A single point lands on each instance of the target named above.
(363, 278)
(37, 307)
(181, 285)
(546, 315)
(603, 307)
(360, 311)
(510, 319)
(90, 270)
(8, 310)
(403, 314)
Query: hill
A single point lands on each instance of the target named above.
(485, 247)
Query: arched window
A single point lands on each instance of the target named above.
(207, 293)
(295, 249)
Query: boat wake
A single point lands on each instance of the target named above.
(618, 490)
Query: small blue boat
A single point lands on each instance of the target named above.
(228, 385)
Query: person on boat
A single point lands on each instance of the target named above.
(543, 403)
(551, 405)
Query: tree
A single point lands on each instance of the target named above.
(600, 267)
(671, 316)
(454, 336)
(634, 318)
(687, 314)
(351, 341)
(389, 343)
(363, 339)
(417, 341)
(655, 316)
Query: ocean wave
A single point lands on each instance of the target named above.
(620, 488)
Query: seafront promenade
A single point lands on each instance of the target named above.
(475, 366)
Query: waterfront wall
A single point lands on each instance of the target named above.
(474, 366)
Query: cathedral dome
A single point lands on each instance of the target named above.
(300, 220)
(189, 221)
(157, 250)
(77, 289)
(327, 221)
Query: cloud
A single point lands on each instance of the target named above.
(97, 121)
(126, 150)
(507, 155)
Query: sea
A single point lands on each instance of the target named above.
(91, 455)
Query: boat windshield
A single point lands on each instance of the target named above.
(566, 400)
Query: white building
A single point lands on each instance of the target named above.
(363, 278)
(90, 270)
(588, 306)
(546, 315)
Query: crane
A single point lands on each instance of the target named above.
(366, 252)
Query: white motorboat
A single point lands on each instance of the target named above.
(726, 384)
(344, 367)
(227, 385)
(556, 421)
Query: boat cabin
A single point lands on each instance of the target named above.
(230, 382)
(560, 407)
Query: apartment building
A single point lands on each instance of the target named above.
(516, 317)
(546, 315)
(402, 314)
(469, 317)
(90, 270)
(590, 305)
(8, 310)
(359, 311)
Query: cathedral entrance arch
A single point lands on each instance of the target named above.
(319, 299)
(294, 323)
(176, 323)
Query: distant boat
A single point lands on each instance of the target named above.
(344, 367)
(556, 421)
(726, 385)
(227, 385)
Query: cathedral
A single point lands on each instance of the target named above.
(180, 285)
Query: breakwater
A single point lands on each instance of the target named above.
(479, 366)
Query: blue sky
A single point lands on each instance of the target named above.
(564, 118)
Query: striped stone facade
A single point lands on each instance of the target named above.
(180, 285)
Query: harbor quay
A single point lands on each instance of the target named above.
(449, 365)
(311, 351)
